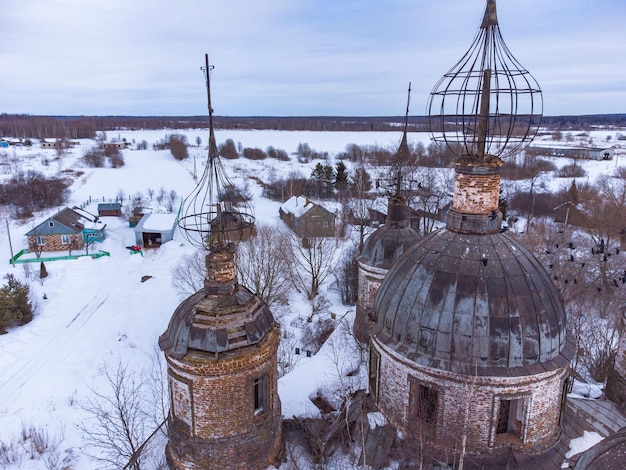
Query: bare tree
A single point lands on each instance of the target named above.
(590, 277)
(188, 275)
(262, 265)
(116, 425)
(311, 261)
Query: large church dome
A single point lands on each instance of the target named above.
(456, 301)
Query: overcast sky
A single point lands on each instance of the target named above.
(293, 57)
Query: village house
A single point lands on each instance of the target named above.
(120, 145)
(68, 229)
(306, 218)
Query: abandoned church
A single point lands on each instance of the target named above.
(469, 349)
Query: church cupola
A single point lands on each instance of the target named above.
(387, 243)
(470, 345)
(221, 343)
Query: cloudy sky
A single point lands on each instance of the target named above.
(293, 57)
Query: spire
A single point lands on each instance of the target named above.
(403, 154)
(215, 215)
(491, 17)
(396, 204)
(486, 107)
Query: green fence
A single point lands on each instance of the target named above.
(18, 260)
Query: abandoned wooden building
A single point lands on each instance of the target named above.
(306, 218)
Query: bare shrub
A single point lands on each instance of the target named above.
(31, 191)
(34, 443)
(287, 357)
(94, 157)
(571, 171)
(254, 154)
(10, 454)
(228, 150)
(178, 146)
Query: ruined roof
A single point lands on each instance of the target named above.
(216, 323)
(456, 301)
(300, 205)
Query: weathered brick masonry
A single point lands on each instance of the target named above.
(469, 404)
(214, 424)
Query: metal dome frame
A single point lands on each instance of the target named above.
(215, 215)
(488, 103)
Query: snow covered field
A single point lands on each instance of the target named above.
(98, 312)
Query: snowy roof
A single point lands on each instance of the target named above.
(67, 221)
(297, 205)
(157, 223)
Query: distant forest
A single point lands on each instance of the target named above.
(84, 127)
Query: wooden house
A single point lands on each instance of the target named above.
(112, 209)
(68, 229)
(306, 218)
(155, 229)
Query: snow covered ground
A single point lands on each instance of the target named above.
(99, 312)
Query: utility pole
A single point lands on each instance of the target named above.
(10, 244)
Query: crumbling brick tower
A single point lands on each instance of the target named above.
(470, 353)
(221, 350)
(221, 343)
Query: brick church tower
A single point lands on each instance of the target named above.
(385, 244)
(221, 345)
(470, 353)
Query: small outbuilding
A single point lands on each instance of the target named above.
(112, 209)
(155, 229)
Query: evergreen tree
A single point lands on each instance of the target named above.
(15, 305)
(341, 177)
(324, 177)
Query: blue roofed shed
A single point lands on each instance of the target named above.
(113, 209)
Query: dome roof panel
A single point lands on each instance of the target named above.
(456, 300)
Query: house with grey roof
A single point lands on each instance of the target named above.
(68, 229)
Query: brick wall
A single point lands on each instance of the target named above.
(54, 243)
(369, 281)
(476, 189)
(212, 418)
(539, 397)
